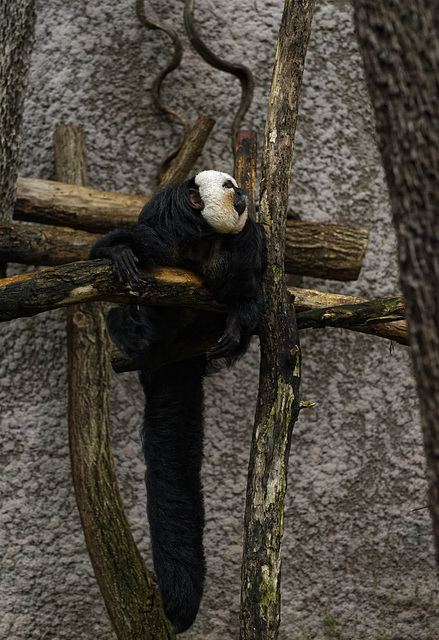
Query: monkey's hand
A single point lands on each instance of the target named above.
(227, 345)
(125, 264)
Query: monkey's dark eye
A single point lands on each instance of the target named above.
(228, 184)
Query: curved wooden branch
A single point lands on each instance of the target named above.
(242, 72)
(169, 159)
(173, 64)
(129, 591)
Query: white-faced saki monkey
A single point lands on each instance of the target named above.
(201, 225)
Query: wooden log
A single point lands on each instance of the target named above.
(128, 589)
(33, 293)
(246, 162)
(93, 280)
(44, 245)
(335, 252)
(61, 204)
(330, 251)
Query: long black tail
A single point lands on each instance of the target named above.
(173, 448)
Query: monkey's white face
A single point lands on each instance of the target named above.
(217, 191)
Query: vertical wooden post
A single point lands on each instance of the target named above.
(246, 164)
(129, 591)
(278, 400)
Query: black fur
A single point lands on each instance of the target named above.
(172, 232)
(173, 444)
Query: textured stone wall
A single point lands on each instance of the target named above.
(357, 562)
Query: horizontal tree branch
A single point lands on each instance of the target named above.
(308, 300)
(331, 251)
(375, 317)
(40, 244)
(69, 205)
(93, 280)
(364, 317)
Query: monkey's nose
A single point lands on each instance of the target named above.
(240, 205)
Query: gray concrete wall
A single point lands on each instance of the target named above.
(357, 563)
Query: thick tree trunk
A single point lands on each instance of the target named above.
(399, 41)
(33, 293)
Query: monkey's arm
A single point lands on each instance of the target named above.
(241, 289)
(130, 249)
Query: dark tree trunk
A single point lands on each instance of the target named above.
(400, 47)
(17, 20)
